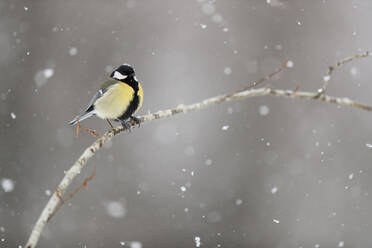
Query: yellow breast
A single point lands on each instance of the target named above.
(114, 101)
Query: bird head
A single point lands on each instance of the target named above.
(123, 72)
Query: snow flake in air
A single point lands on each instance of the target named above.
(197, 241)
(264, 110)
(42, 76)
(7, 185)
(115, 209)
(72, 51)
(276, 221)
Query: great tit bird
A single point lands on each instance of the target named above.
(118, 99)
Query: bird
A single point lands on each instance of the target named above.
(118, 99)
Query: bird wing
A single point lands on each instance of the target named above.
(115, 102)
(98, 94)
(104, 87)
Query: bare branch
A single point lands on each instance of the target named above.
(247, 92)
(327, 76)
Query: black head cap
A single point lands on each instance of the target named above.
(123, 72)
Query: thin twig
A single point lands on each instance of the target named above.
(90, 131)
(287, 64)
(77, 189)
(243, 94)
(327, 76)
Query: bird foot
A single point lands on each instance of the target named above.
(136, 120)
(126, 125)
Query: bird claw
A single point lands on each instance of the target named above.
(136, 120)
(126, 125)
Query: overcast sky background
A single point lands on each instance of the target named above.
(264, 172)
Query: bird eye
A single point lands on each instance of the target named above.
(119, 76)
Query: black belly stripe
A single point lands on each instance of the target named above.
(133, 105)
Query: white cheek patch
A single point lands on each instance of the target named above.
(119, 76)
(135, 78)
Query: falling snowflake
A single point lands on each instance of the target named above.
(203, 26)
(290, 64)
(197, 241)
(7, 184)
(274, 190)
(115, 209)
(341, 244)
(227, 71)
(225, 127)
(264, 110)
(41, 77)
(135, 244)
(72, 51)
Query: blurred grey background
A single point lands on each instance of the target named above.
(263, 172)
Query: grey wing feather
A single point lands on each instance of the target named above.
(89, 112)
(95, 97)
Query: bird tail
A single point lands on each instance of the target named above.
(81, 117)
